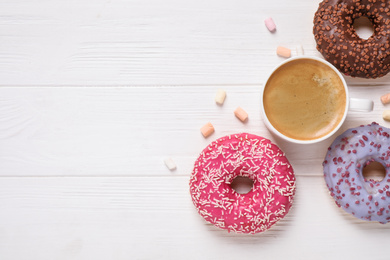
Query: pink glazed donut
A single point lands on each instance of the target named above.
(343, 170)
(250, 156)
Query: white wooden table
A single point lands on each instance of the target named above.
(95, 94)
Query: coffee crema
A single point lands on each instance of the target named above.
(304, 99)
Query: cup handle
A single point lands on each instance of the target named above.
(360, 104)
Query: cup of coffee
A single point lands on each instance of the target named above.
(305, 100)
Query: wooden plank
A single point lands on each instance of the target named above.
(153, 217)
(129, 131)
(95, 94)
(149, 42)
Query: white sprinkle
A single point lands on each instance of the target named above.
(210, 189)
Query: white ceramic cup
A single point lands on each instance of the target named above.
(353, 104)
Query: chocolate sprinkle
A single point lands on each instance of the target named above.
(339, 43)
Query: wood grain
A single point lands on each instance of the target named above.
(153, 217)
(94, 95)
(129, 131)
(150, 42)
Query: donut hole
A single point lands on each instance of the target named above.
(363, 27)
(242, 184)
(374, 171)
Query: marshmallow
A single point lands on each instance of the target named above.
(270, 24)
(283, 52)
(170, 164)
(207, 130)
(385, 99)
(241, 114)
(386, 115)
(220, 97)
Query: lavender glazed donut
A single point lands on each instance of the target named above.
(343, 171)
(242, 155)
(339, 43)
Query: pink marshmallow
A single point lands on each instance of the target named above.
(385, 99)
(241, 114)
(270, 24)
(207, 130)
(283, 52)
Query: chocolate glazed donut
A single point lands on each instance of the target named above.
(340, 45)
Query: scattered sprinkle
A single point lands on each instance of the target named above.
(249, 156)
(342, 46)
(344, 162)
